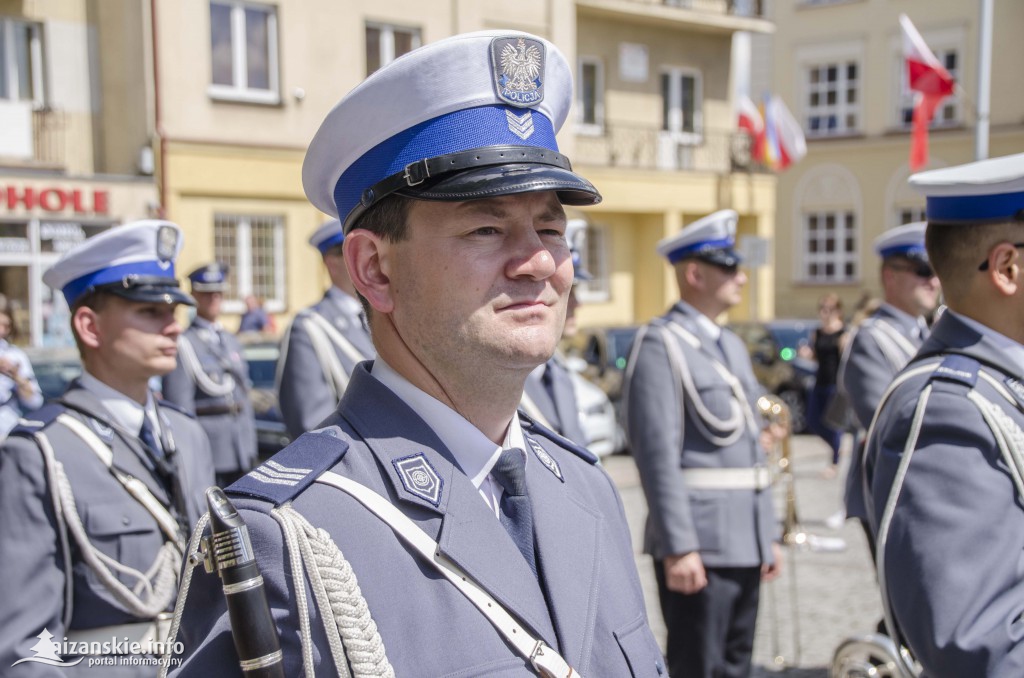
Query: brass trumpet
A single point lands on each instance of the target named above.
(775, 412)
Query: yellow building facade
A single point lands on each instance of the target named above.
(839, 66)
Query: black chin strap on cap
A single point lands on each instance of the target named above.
(416, 173)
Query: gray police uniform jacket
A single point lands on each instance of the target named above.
(45, 580)
(669, 435)
(594, 614)
(315, 364)
(557, 404)
(880, 347)
(211, 381)
(952, 553)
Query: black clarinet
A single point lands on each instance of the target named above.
(229, 553)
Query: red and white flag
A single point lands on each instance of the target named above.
(785, 143)
(750, 119)
(931, 82)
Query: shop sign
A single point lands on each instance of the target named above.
(54, 199)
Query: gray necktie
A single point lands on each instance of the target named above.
(149, 439)
(516, 513)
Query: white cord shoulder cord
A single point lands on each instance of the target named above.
(319, 331)
(334, 584)
(545, 661)
(154, 589)
(896, 348)
(195, 559)
(190, 361)
(721, 432)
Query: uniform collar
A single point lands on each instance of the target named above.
(474, 452)
(348, 304)
(909, 322)
(712, 329)
(1012, 348)
(123, 410)
(205, 324)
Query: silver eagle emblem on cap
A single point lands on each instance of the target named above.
(166, 243)
(518, 64)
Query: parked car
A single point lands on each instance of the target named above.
(597, 415)
(262, 355)
(604, 352)
(774, 348)
(54, 368)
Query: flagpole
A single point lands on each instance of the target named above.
(984, 79)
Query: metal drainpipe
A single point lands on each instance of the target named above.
(158, 122)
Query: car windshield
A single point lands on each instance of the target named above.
(262, 364)
(790, 337)
(619, 343)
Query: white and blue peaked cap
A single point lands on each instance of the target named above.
(327, 236)
(985, 191)
(469, 117)
(134, 261)
(711, 239)
(903, 241)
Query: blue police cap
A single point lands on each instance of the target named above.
(209, 278)
(469, 117)
(986, 191)
(576, 236)
(134, 261)
(903, 241)
(327, 236)
(711, 239)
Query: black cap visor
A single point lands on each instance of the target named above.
(723, 257)
(481, 173)
(149, 291)
(499, 180)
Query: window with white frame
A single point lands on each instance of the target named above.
(21, 61)
(909, 215)
(591, 96)
(830, 246)
(681, 100)
(595, 261)
(385, 43)
(832, 105)
(253, 248)
(243, 51)
(948, 114)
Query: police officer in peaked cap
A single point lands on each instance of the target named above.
(323, 344)
(443, 169)
(211, 379)
(948, 438)
(690, 401)
(99, 489)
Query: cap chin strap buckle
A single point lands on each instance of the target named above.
(416, 173)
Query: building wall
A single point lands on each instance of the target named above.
(866, 170)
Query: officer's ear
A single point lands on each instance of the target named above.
(1004, 269)
(366, 255)
(86, 323)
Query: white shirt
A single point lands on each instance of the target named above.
(474, 452)
(348, 304)
(1009, 346)
(706, 324)
(8, 387)
(124, 411)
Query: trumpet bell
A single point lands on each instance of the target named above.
(872, 655)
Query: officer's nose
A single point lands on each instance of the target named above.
(533, 257)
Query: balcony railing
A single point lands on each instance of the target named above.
(649, 148)
(748, 8)
(48, 136)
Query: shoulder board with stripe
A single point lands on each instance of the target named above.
(37, 420)
(174, 406)
(285, 475)
(958, 368)
(533, 427)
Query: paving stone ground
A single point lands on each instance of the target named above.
(821, 598)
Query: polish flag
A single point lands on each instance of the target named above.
(750, 120)
(785, 143)
(930, 81)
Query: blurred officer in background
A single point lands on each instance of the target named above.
(494, 546)
(948, 441)
(323, 344)
(691, 417)
(99, 489)
(211, 380)
(549, 395)
(885, 342)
